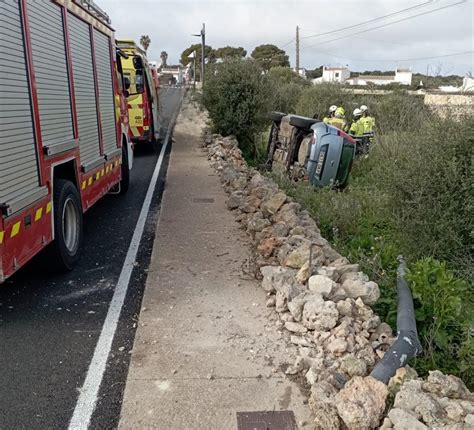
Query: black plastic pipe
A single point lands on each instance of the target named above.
(407, 345)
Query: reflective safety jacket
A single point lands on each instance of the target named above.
(368, 123)
(326, 119)
(357, 128)
(340, 123)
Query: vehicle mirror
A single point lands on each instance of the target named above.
(126, 83)
(137, 62)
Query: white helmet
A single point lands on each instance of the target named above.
(357, 112)
(332, 108)
(364, 108)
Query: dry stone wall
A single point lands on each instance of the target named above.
(324, 302)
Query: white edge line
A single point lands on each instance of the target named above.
(89, 392)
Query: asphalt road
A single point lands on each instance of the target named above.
(50, 323)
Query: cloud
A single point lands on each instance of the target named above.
(250, 23)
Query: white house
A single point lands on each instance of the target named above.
(467, 85)
(401, 76)
(333, 74)
(301, 72)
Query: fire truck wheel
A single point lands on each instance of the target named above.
(67, 225)
(125, 181)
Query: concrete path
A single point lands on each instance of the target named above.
(206, 346)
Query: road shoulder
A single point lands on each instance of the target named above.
(206, 347)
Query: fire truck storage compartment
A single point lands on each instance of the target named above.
(51, 72)
(106, 91)
(84, 89)
(18, 162)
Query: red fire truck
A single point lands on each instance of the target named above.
(63, 126)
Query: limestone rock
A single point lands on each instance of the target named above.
(361, 403)
(368, 291)
(273, 203)
(285, 294)
(321, 285)
(337, 346)
(411, 397)
(287, 216)
(280, 230)
(257, 181)
(275, 277)
(297, 367)
(446, 386)
(346, 307)
(345, 268)
(321, 404)
(353, 366)
(295, 327)
(298, 257)
(267, 246)
(256, 222)
(319, 314)
(250, 204)
(469, 420)
(304, 273)
(329, 272)
(235, 200)
(405, 420)
(271, 301)
(229, 173)
(295, 306)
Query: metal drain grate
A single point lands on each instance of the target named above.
(266, 420)
(203, 200)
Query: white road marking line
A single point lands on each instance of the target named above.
(90, 390)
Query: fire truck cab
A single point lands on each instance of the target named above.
(63, 126)
(143, 101)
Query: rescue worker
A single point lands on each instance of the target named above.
(339, 119)
(367, 120)
(357, 126)
(331, 111)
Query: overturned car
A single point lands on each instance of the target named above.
(309, 149)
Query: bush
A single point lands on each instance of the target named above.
(317, 99)
(429, 175)
(443, 305)
(237, 96)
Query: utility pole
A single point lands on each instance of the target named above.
(203, 55)
(297, 50)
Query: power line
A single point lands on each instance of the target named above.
(369, 21)
(385, 25)
(394, 60)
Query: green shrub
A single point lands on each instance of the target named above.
(430, 178)
(237, 96)
(443, 305)
(316, 100)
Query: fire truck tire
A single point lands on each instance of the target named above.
(125, 181)
(68, 226)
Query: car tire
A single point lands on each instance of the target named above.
(68, 226)
(276, 116)
(304, 123)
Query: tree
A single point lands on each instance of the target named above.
(238, 96)
(208, 52)
(316, 73)
(228, 52)
(268, 56)
(145, 42)
(164, 58)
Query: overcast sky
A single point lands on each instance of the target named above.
(249, 23)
